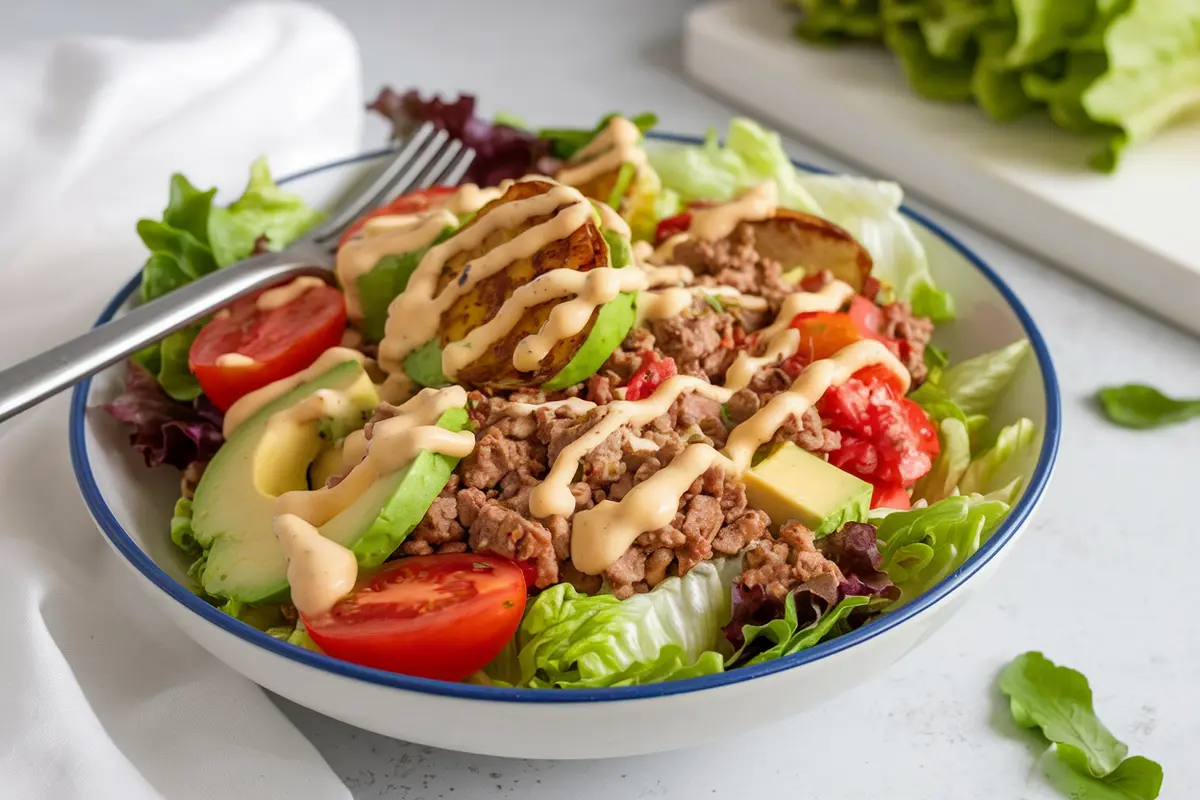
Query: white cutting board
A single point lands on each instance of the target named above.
(1136, 232)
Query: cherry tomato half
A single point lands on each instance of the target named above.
(891, 496)
(281, 342)
(411, 203)
(439, 616)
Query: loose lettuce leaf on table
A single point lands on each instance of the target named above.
(1138, 406)
(573, 640)
(1087, 762)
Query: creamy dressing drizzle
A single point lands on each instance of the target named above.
(394, 443)
(385, 236)
(245, 407)
(804, 392)
(619, 143)
(235, 360)
(280, 296)
(553, 494)
(414, 315)
(603, 533)
(591, 290)
(576, 405)
(717, 222)
(782, 341)
(320, 571)
(612, 220)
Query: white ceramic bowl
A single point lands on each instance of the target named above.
(132, 505)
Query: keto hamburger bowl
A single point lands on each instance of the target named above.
(673, 441)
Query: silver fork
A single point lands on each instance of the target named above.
(425, 159)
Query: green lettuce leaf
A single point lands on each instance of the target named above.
(869, 210)
(976, 384)
(1138, 406)
(924, 545)
(1086, 762)
(566, 142)
(1005, 464)
(573, 640)
(263, 210)
(1152, 76)
(787, 637)
(386, 280)
(181, 528)
(950, 465)
(195, 238)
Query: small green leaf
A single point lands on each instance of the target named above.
(1137, 406)
(712, 300)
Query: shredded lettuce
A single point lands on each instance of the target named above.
(870, 210)
(573, 640)
(924, 545)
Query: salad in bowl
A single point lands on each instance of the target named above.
(620, 411)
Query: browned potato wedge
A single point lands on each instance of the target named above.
(796, 239)
(582, 250)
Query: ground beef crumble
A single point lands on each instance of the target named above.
(809, 432)
(913, 333)
(485, 506)
(701, 340)
(733, 261)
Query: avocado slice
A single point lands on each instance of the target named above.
(383, 516)
(235, 500)
(612, 324)
(424, 366)
(793, 484)
(386, 280)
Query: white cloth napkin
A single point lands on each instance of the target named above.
(102, 697)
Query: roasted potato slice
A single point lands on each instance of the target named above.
(583, 250)
(796, 239)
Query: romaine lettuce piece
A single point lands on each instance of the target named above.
(1005, 465)
(924, 545)
(974, 385)
(573, 640)
(788, 637)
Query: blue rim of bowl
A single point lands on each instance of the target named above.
(182, 595)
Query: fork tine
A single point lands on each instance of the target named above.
(458, 168)
(405, 154)
(432, 175)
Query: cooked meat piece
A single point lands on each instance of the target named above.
(588, 584)
(692, 409)
(497, 454)
(914, 334)
(625, 360)
(712, 518)
(735, 262)
(782, 565)
(494, 528)
(601, 387)
(701, 341)
(811, 433)
(191, 478)
(440, 524)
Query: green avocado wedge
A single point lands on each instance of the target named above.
(384, 283)
(612, 324)
(383, 516)
(424, 366)
(235, 500)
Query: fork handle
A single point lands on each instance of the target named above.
(32, 381)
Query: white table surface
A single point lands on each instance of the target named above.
(1102, 582)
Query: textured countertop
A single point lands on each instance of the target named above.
(1099, 583)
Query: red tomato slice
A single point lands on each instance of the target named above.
(867, 316)
(922, 426)
(821, 335)
(670, 226)
(891, 496)
(411, 203)
(441, 616)
(281, 342)
(650, 373)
